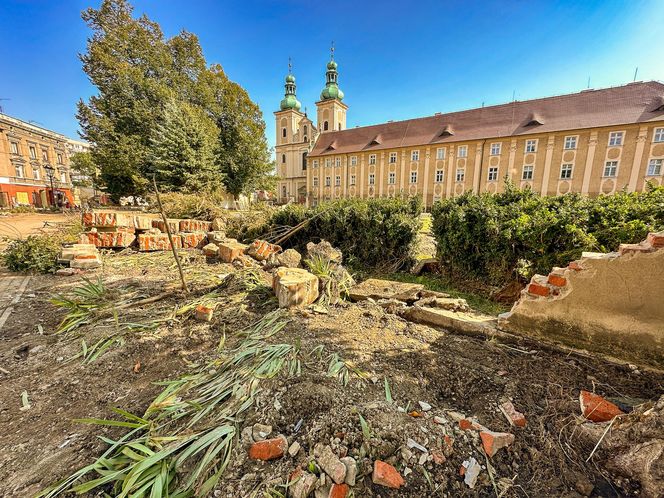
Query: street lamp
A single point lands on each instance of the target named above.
(50, 170)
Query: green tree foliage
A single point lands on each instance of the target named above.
(147, 87)
(370, 232)
(182, 149)
(85, 169)
(500, 237)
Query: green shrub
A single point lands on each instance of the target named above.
(370, 232)
(35, 254)
(499, 237)
(199, 206)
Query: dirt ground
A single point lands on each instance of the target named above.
(16, 226)
(42, 443)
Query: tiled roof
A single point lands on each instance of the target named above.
(633, 103)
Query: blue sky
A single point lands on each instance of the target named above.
(397, 59)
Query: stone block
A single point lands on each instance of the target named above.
(85, 261)
(113, 219)
(142, 222)
(108, 239)
(373, 288)
(295, 287)
(229, 251)
(211, 250)
(173, 225)
(260, 250)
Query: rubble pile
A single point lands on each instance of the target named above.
(77, 257)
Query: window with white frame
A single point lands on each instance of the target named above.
(13, 147)
(415, 155)
(462, 151)
(566, 171)
(315, 181)
(655, 167)
(413, 177)
(495, 149)
(570, 143)
(337, 181)
(527, 173)
(352, 179)
(353, 160)
(393, 157)
(63, 177)
(392, 178)
(615, 138)
(531, 145)
(460, 174)
(33, 152)
(610, 168)
(60, 158)
(315, 163)
(337, 162)
(372, 158)
(439, 175)
(440, 153)
(658, 136)
(328, 181)
(493, 174)
(19, 171)
(328, 161)
(372, 179)
(36, 173)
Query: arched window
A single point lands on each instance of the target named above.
(339, 126)
(325, 126)
(283, 132)
(283, 158)
(283, 191)
(306, 130)
(304, 161)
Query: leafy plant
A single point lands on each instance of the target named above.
(343, 369)
(84, 301)
(34, 254)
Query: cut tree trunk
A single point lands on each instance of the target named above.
(295, 287)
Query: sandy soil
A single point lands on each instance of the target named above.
(42, 443)
(16, 226)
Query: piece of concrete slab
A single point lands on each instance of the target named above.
(374, 288)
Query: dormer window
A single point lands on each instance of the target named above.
(658, 105)
(447, 131)
(534, 119)
(377, 140)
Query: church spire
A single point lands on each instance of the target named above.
(331, 90)
(290, 101)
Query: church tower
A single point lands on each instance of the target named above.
(331, 110)
(295, 134)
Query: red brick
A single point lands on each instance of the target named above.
(85, 256)
(230, 251)
(656, 240)
(173, 225)
(113, 219)
(513, 416)
(448, 441)
(88, 219)
(596, 408)
(634, 248)
(108, 239)
(339, 491)
(270, 449)
(575, 265)
(148, 242)
(493, 441)
(204, 313)
(438, 457)
(386, 475)
(465, 424)
(538, 290)
(193, 240)
(261, 249)
(195, 226)
(557, 280)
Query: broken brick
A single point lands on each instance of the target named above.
(193, 240)
(330, 463)
(118, 238)
(538, 289)
(634, 248)
(230, 251)
(575, 265)
(557, 280)
(656, 240)
(386, 475)
(339, 491)
(261, 249)
(173, 225)
(195, 226)
(151, 242)
(438, 457)
(467, 424)
(513, 416)
(493, 441)
(204, 313)
(270, 449)
(597, 409)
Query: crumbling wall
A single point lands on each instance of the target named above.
(609, 303)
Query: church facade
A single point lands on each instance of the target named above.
(591, 142)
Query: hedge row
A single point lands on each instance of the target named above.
(499, 237)
(371, 233)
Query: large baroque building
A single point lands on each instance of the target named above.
(591, 142)
(34, 165)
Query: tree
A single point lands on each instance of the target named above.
(182, 149)
(85, 170)
(148, 87)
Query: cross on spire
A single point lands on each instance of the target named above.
(332, 51)
(290, 66)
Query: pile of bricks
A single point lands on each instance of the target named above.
(113, 229)
(80, 256)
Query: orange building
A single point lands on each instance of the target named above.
(34, 166)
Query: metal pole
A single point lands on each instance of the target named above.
(170, 237)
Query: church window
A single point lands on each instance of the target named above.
(326, 126)
(306, 131)
(283, 158)
(283, 132)
(372, 159)
(304, 161)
